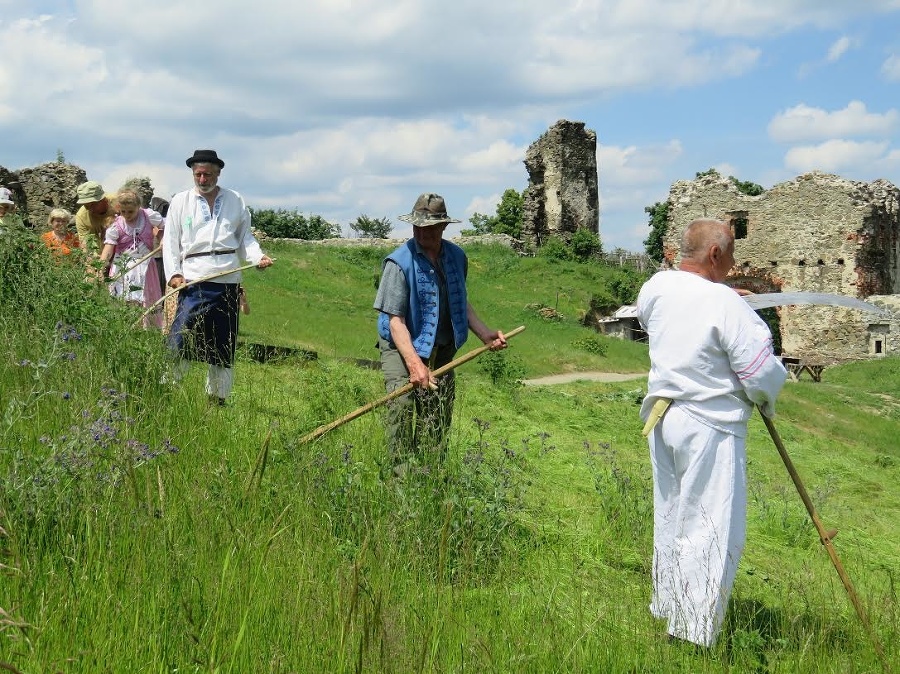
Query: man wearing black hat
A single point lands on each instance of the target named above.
(425, 316)
(207, 234)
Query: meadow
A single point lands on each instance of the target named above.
(143, 531)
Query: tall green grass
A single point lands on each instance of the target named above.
(141, 530)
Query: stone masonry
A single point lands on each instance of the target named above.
(818, 233)
(42, 188)
(562, 194)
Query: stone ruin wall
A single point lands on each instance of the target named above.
(562, 194)
(40, 189)
(816, 233)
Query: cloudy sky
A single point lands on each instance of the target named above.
(343, 107)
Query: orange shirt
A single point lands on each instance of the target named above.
(60, 247)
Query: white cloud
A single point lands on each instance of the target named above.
(803, 122)
(838, 49)
(891, 68)
(835, 156)
(344, 107)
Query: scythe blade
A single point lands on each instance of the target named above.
(766, 300)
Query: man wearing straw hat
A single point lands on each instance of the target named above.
(424, 317)
(208, 234)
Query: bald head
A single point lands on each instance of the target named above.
(700, 235)
(707, 248)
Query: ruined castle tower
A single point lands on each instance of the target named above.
(562, 194)
(817, 233)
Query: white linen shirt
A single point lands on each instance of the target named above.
(709, 351)
(191, 228)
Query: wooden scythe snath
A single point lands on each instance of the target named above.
(188, 284)
(125, 270)
(406, 388)
(825, 537)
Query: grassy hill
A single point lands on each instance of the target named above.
(320, 298)
(141, 530)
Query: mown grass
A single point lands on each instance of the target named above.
(141, 530)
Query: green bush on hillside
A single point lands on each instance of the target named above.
(285, 224)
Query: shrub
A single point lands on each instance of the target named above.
(585, 245)
(504, 369)
(556, 249)
(591, 344)
(285, 224)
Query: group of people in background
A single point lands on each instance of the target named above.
(712, 360)
(197, 258)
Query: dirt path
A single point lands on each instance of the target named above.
(584, 376)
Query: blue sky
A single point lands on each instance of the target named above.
(343, 107)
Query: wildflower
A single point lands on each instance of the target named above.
(24, 362)
(66, 395)
(169, 447)
(69, 356)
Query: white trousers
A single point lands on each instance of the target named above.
(699, 523)
(219, 380)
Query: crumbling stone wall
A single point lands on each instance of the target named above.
(562, 194)
(40, 189)
(818, 233)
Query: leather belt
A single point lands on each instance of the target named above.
(211, 252)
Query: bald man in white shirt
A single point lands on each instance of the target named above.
(712, 357)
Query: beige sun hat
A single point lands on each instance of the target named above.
(90, 192)
(428, 210)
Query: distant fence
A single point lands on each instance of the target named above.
(637, 261)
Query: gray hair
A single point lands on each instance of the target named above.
(702, 233)
(61, 213)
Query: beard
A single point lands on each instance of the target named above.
(206, 189)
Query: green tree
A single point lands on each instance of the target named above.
(481, 224)
(372, 228)
(659, 224)
(285, 224)
(509, 214)
(507, 219)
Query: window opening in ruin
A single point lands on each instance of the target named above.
(801, 263)
(774, 263)
(738, 221)
(840, 261)
(878, 346)
(821, 263)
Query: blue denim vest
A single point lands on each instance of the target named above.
(421, 279)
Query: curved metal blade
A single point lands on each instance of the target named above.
(765, 300)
